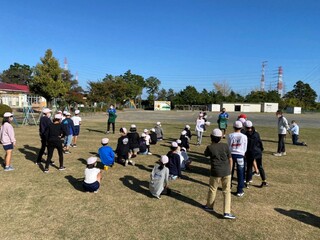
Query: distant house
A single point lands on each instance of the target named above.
(18, 96)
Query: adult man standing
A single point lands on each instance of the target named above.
(283, 127)
(221, 162)
(45, 121)
(111, 119)
(238, 146)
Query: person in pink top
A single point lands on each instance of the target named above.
(8, 140)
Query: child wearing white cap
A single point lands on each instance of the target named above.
(67, 123)
(159, 178)
(187, 129)
(92, 176)
(8, 139)
(123, 148)
(174, 163)
(184, 140)
(106, 153)
(143, 149)
(199, 128)
(45, 121)
(134, 139)
(159, 131)
(148, 140)
(153, 136)
(76, 122)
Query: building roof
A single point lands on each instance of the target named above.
(12, 87)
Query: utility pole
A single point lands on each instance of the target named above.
(262, 83)
(280, 84)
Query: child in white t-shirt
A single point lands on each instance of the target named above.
(76, 122)
(92, 176)
(148, 140)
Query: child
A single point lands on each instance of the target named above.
(8, 139)
(106, 153)
(174, 162)
(184, 140)
(76, 122)
(123, 148)
(148, 140)
(92, 176)
(159, 178)
(159, 131)
(143, 148)
(45, 121)
(134, 139)
(254, 152)
(185, 160)
(199, 128)
(69, 129)
(220, 160)
(153, 136)
(295, 134)
(53, 135)
(187, 129)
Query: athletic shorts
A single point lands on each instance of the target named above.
(76, 130)
(92, 187)
(8, 147)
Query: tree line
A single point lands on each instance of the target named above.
(49, 80)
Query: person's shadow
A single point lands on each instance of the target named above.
(31, 153)
(136, 185)
(75, 182)
(302, 216)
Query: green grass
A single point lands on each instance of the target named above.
(52, 206)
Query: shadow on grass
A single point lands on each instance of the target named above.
(302, 216)
(75, 182)
(136, 185)
(200, 170)
(187, 178)
(267, 140)
(142, 167)
(96, 130)
(31, 153)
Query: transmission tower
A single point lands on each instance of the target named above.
(262, 83)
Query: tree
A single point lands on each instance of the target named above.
(152, 84)
(261, 96)
(47, 81)
(75, 94)
(17, 73)
(136, 83)
(188, 96)
(222, 87)
(305, 95)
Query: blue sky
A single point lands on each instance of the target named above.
(181, 42)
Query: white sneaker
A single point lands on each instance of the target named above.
(283, 153)
(132, 163)
(149, 153)
(126, 163)
(277, 154)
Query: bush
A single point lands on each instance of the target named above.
(4, 108)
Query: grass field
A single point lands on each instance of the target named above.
(52, 206)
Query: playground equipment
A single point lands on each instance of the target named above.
(28, 116)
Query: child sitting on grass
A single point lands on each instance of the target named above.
(92, 176)
(106, 153)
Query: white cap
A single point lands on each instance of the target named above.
(104, 140)
(133, 126)
(58, 116)
(187, 127)
(201, 115)
(124, 130)
(164, 159)
(237, 124)
(217, 132)
(92, 160)
(59, 111)
(178, 141)
(152, 130)
(68, 114)
(184, 132)
(174, 144)
(242, 120)
(143, 135)
(46, 110)
(65, 112)
(248, 124)
(7, 114)
(145, 130)
(158, 123)
(77, 111)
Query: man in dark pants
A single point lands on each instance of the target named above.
(283, 127)
(45, 121)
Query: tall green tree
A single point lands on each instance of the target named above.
(17, 73)
(152, 85)
(48, 81)
(136, 83)
(304, 94)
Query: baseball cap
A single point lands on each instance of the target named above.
(158, 123)
(248, 124)
(184, 132)
(7, 114)
(65, 112)
(152, 130)
(201, 115)
(77, 111)
(145, 130)
(58, 116)
(242, 120)
(46, 110)
(104, 140)
(133, 126)
(174, 144)
(92, 160)
(217, 132)
(237, 124)
(242, 115)
(187, 127)
(178, 141)
(164, 159)
(124, 130)
(68, 114)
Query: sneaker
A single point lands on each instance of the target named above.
(229, 216)
(67, 152)
(52, 163)
(277, 154)
(107, 132)
(8, 168)
(37, 163)
(46, 170)
(149, 153)
(74, 145)
(126, 163)
(247, 185)
(283, 153)
(206, 208)
(240, 194)
(257, 174)
(264, 184)
(132, 163)
(62, 168)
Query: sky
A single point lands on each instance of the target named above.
(180, 42)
